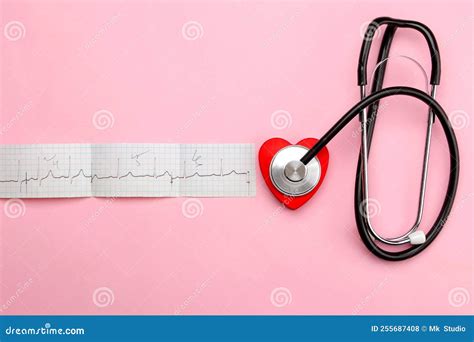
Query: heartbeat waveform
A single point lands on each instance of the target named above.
(81, 173)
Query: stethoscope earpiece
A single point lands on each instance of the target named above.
(417, 238)
(296, 171)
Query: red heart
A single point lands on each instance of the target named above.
(265, 156)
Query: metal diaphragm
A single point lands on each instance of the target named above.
(290, 176)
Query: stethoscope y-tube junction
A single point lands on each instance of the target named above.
(367, 110)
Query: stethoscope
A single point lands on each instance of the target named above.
(296, 170)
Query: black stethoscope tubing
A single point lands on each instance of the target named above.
(371, 102)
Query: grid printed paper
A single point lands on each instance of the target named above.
(127, 170)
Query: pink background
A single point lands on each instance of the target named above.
(238, 255)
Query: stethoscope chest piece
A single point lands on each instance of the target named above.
(289, 175)
(290, 180)
(294, 173)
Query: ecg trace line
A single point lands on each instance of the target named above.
(92, 177)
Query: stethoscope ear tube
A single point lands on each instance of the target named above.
(362, 221)
(394, 23)
(367, 108)
(363, 224)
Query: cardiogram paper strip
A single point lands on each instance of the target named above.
(127, 170)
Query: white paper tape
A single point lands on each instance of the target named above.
(127, 170)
